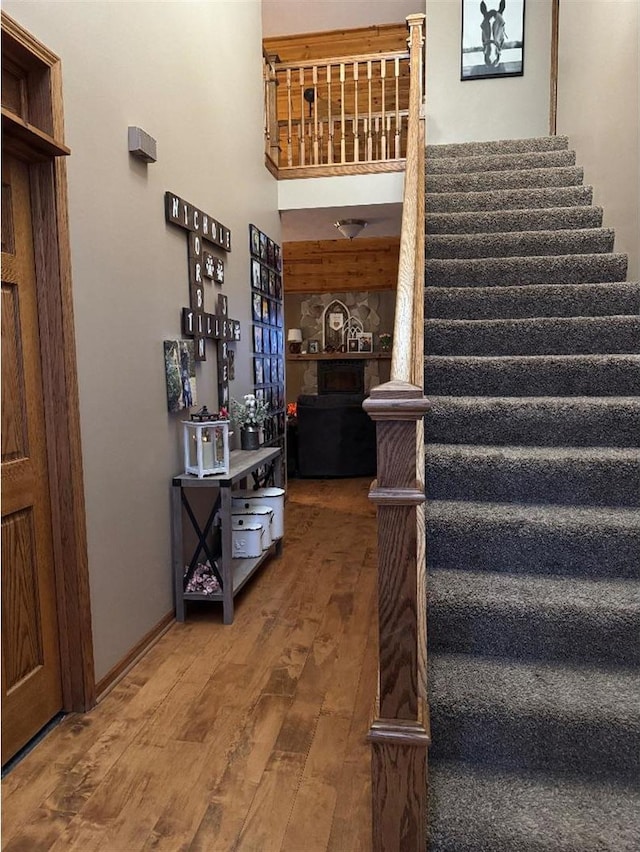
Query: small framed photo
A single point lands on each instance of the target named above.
(218, 270)
(265, 311)
(271, 252)
(272, 283)
(254, 241)
(313, 347)
(256, 307)
(365, 341)
(266, 341)
(255, 274)
(278, 287)
(263, 246)
(273, 313)
(258, 374)
(277, 257)
(279, 316)
(492, 39)
(264, 279)
(353, 344)
(257, 338)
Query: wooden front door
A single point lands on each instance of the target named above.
(31, 678)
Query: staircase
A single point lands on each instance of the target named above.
(533, 486)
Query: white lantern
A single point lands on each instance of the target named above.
(206, 447)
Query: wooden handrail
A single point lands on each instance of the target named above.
(342, 60)
(399, 734)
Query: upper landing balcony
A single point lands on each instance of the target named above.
(337, 103)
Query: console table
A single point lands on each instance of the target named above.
(232, 573)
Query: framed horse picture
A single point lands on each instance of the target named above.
(492, 39)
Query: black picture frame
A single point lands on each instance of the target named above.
(492, 39)
(254, 241)
(257, 338)
(256, 307)
(258, 372)
(256, 282)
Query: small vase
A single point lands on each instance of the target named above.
(250, 438)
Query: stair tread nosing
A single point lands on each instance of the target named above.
(536, 219)
(493, 244)
(533, 336)
(530, 688)
(599, 598)
(505, 161)
(535, 300)
(515, 179)
(509, 199)
(497, 146)
(483, 809)
(533, 269)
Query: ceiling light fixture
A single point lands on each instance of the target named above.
(350, 228)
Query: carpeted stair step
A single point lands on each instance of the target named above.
(515, 271)
(537, 243)
(587, 476)
(574, 541)
(532, 375)
(517, 179)
(547, 421)
(498, 146)
(482, 222)
(535, 716)
(561, 619)
(533, 336)
(501, 162)
(484, 809)
(508, 199)
(541, 300)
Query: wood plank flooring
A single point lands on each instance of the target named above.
(243, 737)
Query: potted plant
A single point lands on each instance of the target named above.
(250, 415)
(386, 341)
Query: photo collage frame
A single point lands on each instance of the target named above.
(267, 314)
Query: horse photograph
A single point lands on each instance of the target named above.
(492, 39)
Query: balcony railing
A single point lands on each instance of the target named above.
(344, 114)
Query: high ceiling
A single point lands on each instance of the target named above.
(285, 17)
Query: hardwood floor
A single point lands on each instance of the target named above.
(244, 737)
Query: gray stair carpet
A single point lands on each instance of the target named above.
(532, 366)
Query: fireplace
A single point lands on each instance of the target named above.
(340, 376)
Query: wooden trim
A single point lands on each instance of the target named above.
(48, 179)
(31, 137)
(342, 356)
(397, 496)
(553, 76)
(336, 170)
(115, 674)
(400, 731)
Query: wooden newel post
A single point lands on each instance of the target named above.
(273, 130)
(399, 734)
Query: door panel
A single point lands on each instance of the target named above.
(31, 684)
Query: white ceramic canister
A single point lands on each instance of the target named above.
(273, 497)
(256, 514)
(246, 538)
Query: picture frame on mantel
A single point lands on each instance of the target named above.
(313, 347)
(365, 341)
(492, 39)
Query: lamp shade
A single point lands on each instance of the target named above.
(294, 335)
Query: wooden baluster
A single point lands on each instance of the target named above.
(303, 129)
(315, 115)
(376, 135)
(343, 153)
(289, 120)
(369, 139)
(329, 118)
(383, 80)
(273, 128)
(396, 71)
(356, 140)
(321, 140)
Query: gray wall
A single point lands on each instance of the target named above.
(598, 102)
(190, 74)
(477, 110)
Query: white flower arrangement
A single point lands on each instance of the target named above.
(250, 412)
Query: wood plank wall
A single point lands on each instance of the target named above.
(320, 45)
(321, 266)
